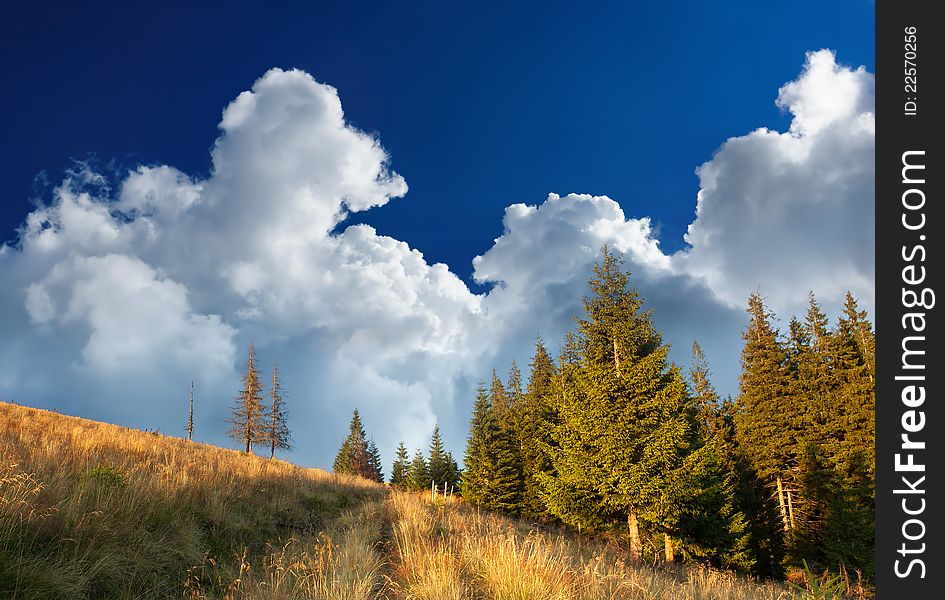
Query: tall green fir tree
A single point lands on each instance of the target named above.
(627, 448)
(354, 456)
(769, 422)
(750, 540)
(442, 466)
(375, 467)
(418, 475)
(536, 418)
(400, 468)
(491, 477)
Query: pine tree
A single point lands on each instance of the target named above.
(418, 477)
(247, 416)
(478, 461)
(375, 467)
(437, 462)
(768, 423)
(354, 455)
(453, 475)
(490, 477)
(751, 531)
(849, 527)
(190, 415)
(398, 472)
(501, 403)
(706, 398)
(536, 418)
(506, 485)
(626, 447)
(513, 391)
(276, 426)
(853, 357)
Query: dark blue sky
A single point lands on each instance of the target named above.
(479, 107)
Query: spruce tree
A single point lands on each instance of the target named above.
(536, 418)
(354, 455)
(276, 426)
(626, 447)
(453, 475)
(506, 486)
(437, 462)
(478, 460)
(398, 472)
(491, 476)
(768, 422)
(849, 528)
(513, 391)
(749, 540)
(375, 468)
(418, 476)
(247, 416)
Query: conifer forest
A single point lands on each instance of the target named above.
(611, 437)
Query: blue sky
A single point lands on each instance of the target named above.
(479, 108)
(220, 197)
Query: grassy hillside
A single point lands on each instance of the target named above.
(448, 550)
(92, 510)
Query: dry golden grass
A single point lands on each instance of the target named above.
(92, 510)
(450, 551)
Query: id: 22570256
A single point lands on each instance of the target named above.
(910, 56)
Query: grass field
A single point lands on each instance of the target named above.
(92, 510)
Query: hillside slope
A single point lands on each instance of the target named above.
(93, 510)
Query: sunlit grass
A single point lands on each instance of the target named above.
(89, 509)
(450, 550)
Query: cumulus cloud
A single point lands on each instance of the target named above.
(128, 296)
(790, 211)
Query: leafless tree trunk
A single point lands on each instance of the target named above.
(784, 515)
(636, 546)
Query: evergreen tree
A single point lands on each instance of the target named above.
(627, 446)
(536, 418)
(513, 391)
(441, 464)
(247, 416)
(750, 538)
(501, 403)
(490, 478)
(276, 426)
(453, 475)
(399, 470)
(853, 351)
(845, 471)
(438, 463)
(375, 468)
(354, 455)
(478, 463)
(704, 393)
(768, 423)
(418, 476)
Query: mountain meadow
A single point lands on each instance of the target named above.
(94, 510)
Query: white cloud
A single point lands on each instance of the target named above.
(788, 212)
(129, 298)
